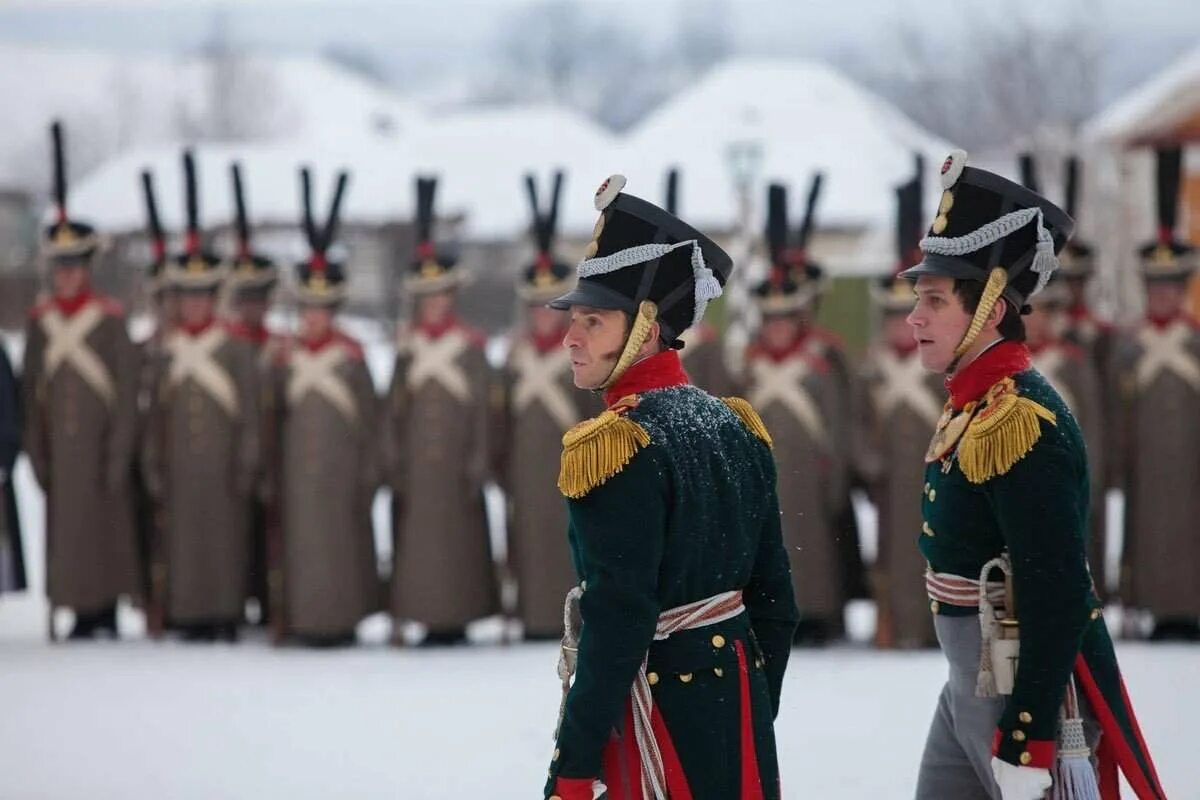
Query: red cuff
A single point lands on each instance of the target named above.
(1041, 752)
(573, 788)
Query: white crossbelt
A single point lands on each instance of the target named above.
(905, 382)
(192, 358)
(1167, 350)
(700, 614)
(66, 339)
(782, 383)
(437, 360)
(316, 373)
(538, 381)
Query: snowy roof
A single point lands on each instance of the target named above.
(380, 184)
(483, 155)
(479, 156)
(805, 117)
(1153, 109)
(129, 101)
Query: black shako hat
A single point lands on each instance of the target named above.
(986, 222)
(640, 252)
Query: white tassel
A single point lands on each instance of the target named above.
(1044, 260)
(708, 288)
(1075, 779)
(1074, 775)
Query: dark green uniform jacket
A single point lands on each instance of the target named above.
(1016, 479)
(671, 501)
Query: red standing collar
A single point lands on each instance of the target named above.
(1000, 361)
(659, 371)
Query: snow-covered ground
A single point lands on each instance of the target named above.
(138, 719)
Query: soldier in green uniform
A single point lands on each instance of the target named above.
(1034, 689)
(680, 630)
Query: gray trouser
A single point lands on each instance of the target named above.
(956, 764)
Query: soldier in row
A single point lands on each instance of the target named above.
(324, 461)
(79, 382)
(1157, 367)
(201, 452)
(900, 404)
(438, 458)
(795, 378)
(537, 403)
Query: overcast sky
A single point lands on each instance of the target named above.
(413, 37)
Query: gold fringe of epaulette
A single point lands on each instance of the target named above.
(597, 449)
(749, 418)
(1000, 435)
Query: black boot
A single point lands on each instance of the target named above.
(84, 627)
(199, 632)
(445, 638)
(1176, 629)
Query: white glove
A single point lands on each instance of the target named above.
(1020, 783)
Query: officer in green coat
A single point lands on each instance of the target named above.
(679, 632)
(1034, 699)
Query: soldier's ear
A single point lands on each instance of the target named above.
(997, 315)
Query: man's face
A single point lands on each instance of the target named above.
(70, 278)
(780, 331)
(196, 307)
(545, 322)
(938, 321)
(595, 338)
(435, 308)
(316, 322)
(1164, 298)
(251, 308)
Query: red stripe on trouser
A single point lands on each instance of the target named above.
(1138, 780)
(1106, 768)
(751, 781)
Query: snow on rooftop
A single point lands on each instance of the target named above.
(1153, 108)
(483, 156)
(479, 156)
(804, 116)
(379, 189)
(129, 101)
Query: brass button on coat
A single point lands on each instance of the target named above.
(718, 641)
(1025, 758)
(652, 678)
(1025, 717)
(718, 672)
(933, 606)
(1018, 736)
(686, 677)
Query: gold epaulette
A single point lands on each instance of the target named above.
(599, 448)
(749, 418)
(1004, 430)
